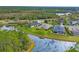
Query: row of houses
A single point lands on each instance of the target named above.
(59, 29)
(69, 22)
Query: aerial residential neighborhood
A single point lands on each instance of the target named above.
(39, 29)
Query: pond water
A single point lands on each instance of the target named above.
(49, 45)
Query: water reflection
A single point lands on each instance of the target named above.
(48, 45)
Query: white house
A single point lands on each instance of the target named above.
(61, 14)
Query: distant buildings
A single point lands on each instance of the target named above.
(61, 21)
(34, 24)
(39, 25)
(60, 14)
(63, 13)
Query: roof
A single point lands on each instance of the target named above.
(7, 28)
(74, 22)
(35, 23)
(59, 29)
(45, 26)
(75, 31)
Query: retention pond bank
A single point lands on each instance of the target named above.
(48, 45)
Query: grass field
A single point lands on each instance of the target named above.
(48, 34)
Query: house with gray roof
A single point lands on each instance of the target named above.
(73, 22)
(34, 24)
(75, 30)
(45, 26)
(59, 29)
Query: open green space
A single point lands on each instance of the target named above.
(48, 34)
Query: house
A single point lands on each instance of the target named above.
(78, 21)
(61, 21)
(40, 21)
(46, 26)
(75, 30)
(34, 24)
(7, 28)
(73, 22)
(68, 13)
(63, 13)
(60, 14)
(59, 29)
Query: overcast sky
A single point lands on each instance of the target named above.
(39, 3)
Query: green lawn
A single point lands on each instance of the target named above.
(47, 34)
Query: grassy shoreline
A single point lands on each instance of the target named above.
(31, 47)
(60, 37)
(47, 34)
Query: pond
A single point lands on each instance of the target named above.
(49, 45)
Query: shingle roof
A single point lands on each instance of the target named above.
(75, 31)
(34, 24)
(45, 26)
(59, 29)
